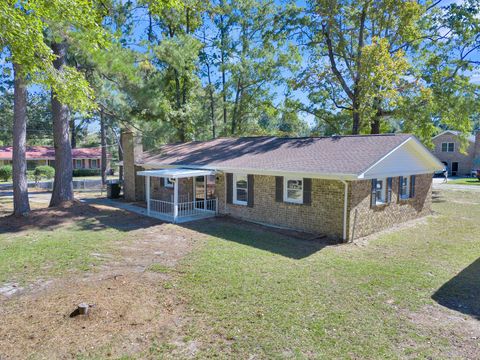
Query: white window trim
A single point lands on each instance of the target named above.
(167, 183)
(234, 186)
(448, 143)
(406, 195)
(76, 164)
(285, 190)
(384, 192)
(96, 163)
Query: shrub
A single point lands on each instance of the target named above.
(31, 174)
(43, 172)
(86, 172)
(6, 172)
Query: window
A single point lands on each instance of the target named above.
(404, 187)
(448, 147)
(94, 163)
(240, 189)
(168, 182)
(380, 191)
(78, 164)
(293, 190)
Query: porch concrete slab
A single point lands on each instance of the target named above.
(117, 204)
(132, 207)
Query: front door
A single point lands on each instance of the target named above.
(204, 191)
(454, 168)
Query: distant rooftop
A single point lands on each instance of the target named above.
(48, 153)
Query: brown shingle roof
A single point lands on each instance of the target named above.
(320, 155)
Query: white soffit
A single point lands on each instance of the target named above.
(409, 158)
(176, 173)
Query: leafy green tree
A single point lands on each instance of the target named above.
(23, 34)
(390, 62)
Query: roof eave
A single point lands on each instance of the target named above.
(314, 175)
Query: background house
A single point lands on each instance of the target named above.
(447, 150)
(83, 158)
(342, 186)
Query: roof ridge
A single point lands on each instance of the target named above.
(308, 137)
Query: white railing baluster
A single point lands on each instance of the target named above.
(187, 208)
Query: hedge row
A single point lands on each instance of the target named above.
(45, 172)
(87, 172)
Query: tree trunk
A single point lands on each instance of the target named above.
(212, 101)
(235, 107)
(103, 142)
(62, 186)
(375, 125)
(224, 80)
(74, 134)
(21, 205)
(356, 122)
(356, 111)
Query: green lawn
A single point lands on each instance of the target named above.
(48, 253)
(464, 181)
(260, 294)
(251, 293)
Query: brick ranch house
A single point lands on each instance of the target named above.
(83, 158)
(343, 187)
(447, 149)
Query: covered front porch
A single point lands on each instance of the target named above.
(180, 201)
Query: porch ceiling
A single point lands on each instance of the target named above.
(176, 173)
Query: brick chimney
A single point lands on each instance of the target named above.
(132, 154)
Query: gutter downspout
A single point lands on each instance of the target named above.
(345, 210)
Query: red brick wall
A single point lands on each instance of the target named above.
(465, 160)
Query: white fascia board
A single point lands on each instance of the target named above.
(436, 163)
(332, 176)
(444, 132)
(176, 173)
(430, 162)
(394, 174)
(453, 133)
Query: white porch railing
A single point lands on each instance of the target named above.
(187, 209)
(162, 207)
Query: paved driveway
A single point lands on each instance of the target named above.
(439, 184)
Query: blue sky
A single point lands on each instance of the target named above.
(280, 91)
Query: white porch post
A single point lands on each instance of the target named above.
(205, 193)
(175, 200)
(147, 189)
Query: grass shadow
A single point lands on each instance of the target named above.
(437, 197)
(291, 244)
(462, 292)
(84, 216)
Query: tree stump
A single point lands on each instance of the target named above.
(82, 309)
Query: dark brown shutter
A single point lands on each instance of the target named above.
(279, 188)
(307, 191)
(400, 180)
(162, 182)
(412, 186)
(229, 188)
(250, 184)
(389, 190)
(373, 199)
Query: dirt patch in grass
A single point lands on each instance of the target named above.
(455, 326)
(133, 306)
